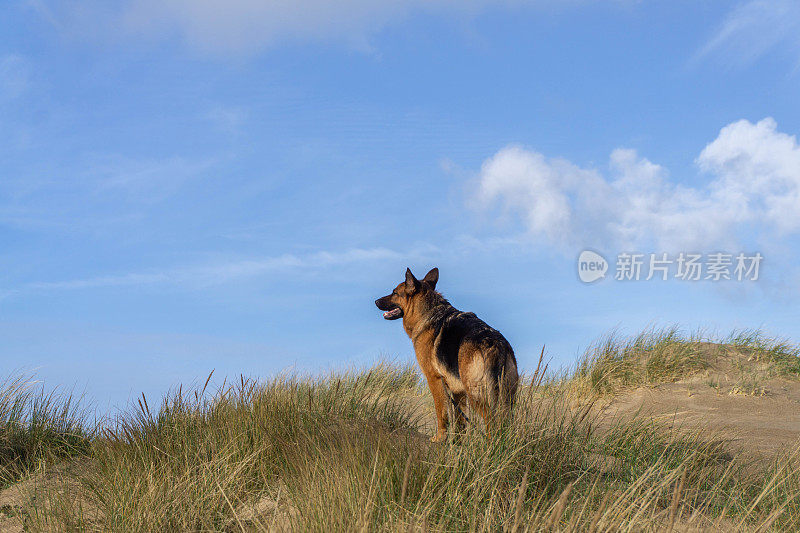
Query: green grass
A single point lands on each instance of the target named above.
(347, 452)
(36, 427)
(653, 356)
(615, 363)
(782, 356)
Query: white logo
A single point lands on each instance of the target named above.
(591, 266)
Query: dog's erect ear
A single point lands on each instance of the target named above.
(432, 277)
(412, 283)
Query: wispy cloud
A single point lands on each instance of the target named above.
(755, 190)
(251, 25)
(228, 119)
(227, 271)
(97, 191)
(753, 29)
(44, 11)
(143, 180)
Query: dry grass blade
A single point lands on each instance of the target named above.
(595, 520)
(559, 508)
(523, 487)
(676, 500)
(231, 507)
(404, 487)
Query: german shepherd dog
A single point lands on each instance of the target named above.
(461, 356)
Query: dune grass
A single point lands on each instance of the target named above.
(780, 354)
(655, 355)
(38, 426)
(347, 452)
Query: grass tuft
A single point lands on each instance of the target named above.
(779, 353)
(37, 426)
(655, 355)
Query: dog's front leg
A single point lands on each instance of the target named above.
(440, 403)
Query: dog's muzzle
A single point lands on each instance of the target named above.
(390, 310)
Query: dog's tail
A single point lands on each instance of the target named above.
(505, 384)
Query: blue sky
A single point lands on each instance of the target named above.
(188, 186)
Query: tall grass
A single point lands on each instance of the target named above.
(38, 426)
(782, 355)
(654, 355)
(347, 452)
(343, 454)
(658, 355)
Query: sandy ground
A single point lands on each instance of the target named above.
(736, 400)
(15, 498)
(767, 425)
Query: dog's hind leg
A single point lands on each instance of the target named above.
(486, 413)
(459, 402)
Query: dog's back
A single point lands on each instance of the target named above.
(473, 357)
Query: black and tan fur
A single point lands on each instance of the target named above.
(458, 352)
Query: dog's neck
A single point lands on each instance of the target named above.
(417, 316)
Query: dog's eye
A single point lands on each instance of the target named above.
(394, 293)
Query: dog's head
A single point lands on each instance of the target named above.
(395, 305)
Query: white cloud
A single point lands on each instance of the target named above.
(755, 188)
(754, 28)
(758, 173)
